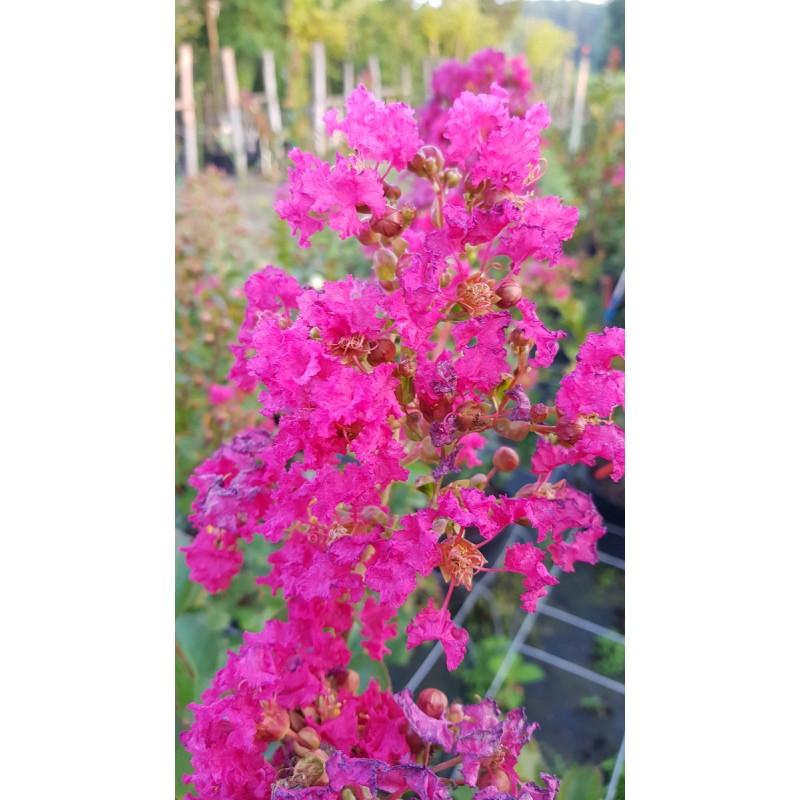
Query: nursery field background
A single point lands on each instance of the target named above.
(252, 79)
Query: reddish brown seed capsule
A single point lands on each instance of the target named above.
(368, 237)
(570, 431)
(539, 412)
(497, 778)
(433, 702)
(390, 224)
(505, 459)
(518, 338)
(509, 292)
(383, 351)
(516, 431)
(407, 368)
(391, 192)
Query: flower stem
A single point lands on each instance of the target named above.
(453, 762)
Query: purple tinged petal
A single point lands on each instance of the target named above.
(427, 728)
(522, 412)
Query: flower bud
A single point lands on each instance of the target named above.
(309, 770)
(368, 237)
(505, 459)
(516, 431)
(478, 481)
(309, 738)
(391, 192)
(455, 713)
(434, 160)
(374, 514)
(427, 161)
(518, 338)
(383, 352)
(407, 368)
(403, 263)
(570, 431)
(414, 427)
(509, 292)
(417, 164)
(384, 263)
(274, 723)
(451, 177)
(349, 681)
(497, 777)
(432, 702)
(390, 224)
(408, 212)
(539, 413)
(399, 246)
(297, 721)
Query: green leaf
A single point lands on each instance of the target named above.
(183, 765)
(183, 586)
(531, 762)
(529, 673)
(581, 783)
(185, 680)
(199, 644)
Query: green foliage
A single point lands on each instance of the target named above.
(487, 655)
(581, 783)
(609, 657)
(397, 32)
(329, 258)
(608, 767)
(207, 626)
(211, 266)
(546, 45)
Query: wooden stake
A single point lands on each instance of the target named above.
(187, 110)
(271, 91)
(405, 83)
(580, 102)
(319, 83)
(375, 77)
(349, 79)
(566, 92)
(234, 110)
(427, 77)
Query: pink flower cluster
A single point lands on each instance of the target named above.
(362, 379)
(284, 719)
(477, 75)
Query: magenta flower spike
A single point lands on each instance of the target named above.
(357, 381)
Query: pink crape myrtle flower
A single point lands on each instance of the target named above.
(359, 382)
(378, 132)
(321, 193)
(433, 625)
